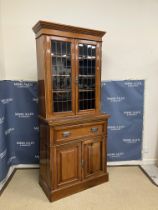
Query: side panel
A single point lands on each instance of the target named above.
(40, 46)
(44, 154)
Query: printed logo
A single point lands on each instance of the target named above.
(6, 100)
(11, 159)
(131, 141)
(116, 99)
(23, 84)
(3, 154)
(1, 120)
(116, 127)
(36, 128)
(133, 83)
(35, 100)
(37, 156)
(132, 113)
(25, 143)
(8, 131)
(103, 83)
(24, 114)
(115, 155)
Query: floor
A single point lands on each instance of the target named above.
(152, 172)
(128, 189)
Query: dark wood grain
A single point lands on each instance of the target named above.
(93, 157)
(68, 164)
(71, 189)
(66, 28)
(72, 143)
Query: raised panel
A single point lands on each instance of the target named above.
(93, 157)
(68, 164)
(68, 160)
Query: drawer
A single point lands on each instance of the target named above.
(74, 132)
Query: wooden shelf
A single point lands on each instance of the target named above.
(61, 56)
(84, 75)
(61, 91)
(87, 58)
(86, 90)
(61, 75)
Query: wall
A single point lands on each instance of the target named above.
(130, 48)
(2, 69)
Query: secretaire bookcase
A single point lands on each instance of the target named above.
(73, 131)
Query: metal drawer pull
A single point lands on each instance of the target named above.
(66, 133)
(94, 130)
(82, 163)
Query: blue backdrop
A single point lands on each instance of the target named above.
(124, 100)
(19, 131)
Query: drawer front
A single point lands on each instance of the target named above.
(74, 132)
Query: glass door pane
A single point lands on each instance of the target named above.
(87, 76)
(61, 76)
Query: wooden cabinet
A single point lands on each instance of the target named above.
(73, 132)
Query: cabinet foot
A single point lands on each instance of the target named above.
(69, 190)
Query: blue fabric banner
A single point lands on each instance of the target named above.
(124, 101)
(19, 131)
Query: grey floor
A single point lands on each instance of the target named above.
(152, 172)
(128, 189)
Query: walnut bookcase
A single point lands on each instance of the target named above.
(73, 132)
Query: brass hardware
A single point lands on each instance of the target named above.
(94, 130)
(82, 163)
(66, 133)
(76, 81)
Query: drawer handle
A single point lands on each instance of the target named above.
(94, 130)
(66, 133)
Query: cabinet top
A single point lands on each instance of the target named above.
(47, 27)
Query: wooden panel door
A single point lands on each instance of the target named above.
(93, 157)
(68, 164)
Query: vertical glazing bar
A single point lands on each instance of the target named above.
(61, 77)
(91, 79)
(83, 77)
(87, 103)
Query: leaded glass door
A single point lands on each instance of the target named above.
(87, 63)
(62, 63)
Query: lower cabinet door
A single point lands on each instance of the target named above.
(93, 155)
(68, 160)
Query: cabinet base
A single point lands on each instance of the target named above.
(63, 192)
